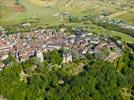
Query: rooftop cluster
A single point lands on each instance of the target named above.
(29, 44)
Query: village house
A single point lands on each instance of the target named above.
(34, 43)
(26, 25)
(3, 55)
(94, 39)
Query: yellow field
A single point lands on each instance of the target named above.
(9, 3)
(43, 3)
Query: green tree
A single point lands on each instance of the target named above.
(55, 57)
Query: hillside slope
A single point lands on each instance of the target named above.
(16, 11)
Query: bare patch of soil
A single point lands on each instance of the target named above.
(19, 8)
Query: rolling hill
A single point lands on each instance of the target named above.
(16, 11)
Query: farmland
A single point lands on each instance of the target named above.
(44, 9)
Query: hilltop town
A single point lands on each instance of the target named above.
(35, 43)
(57, 59)
(66, 49)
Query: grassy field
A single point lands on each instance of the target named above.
(45, 9)
(32, 11)
(127, 16)
(103, 31)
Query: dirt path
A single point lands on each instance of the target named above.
(69, 3)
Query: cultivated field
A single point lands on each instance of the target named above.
(44, 10)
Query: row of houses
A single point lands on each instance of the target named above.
(29, 44)
(120, 23)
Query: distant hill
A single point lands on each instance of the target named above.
(18, 10)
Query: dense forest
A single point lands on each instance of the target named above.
(97, 80)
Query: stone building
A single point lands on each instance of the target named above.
(39, 54)
(67, 57)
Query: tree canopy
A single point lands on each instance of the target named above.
(102, 80)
